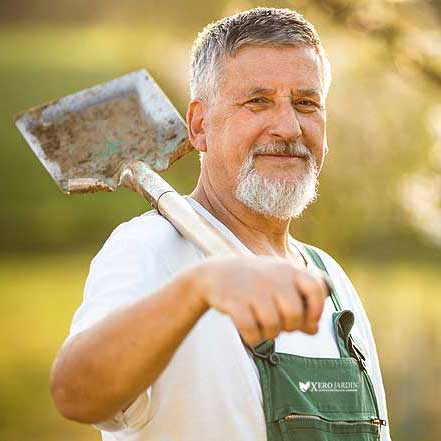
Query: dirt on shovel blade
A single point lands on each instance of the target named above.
(92, 143)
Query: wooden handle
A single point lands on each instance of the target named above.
(139, 177)
(170, 204)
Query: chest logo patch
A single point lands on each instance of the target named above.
(328, 386)
(304, 386)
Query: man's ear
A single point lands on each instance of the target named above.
(195, 125)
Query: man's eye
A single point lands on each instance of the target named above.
(307, 105)
(257, 101)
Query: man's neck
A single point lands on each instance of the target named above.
(262, 235)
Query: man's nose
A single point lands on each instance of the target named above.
(285, 123)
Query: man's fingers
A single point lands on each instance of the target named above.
(323, 279)
(291, 310)
(247, 325)
(314, 293)
(267, 317)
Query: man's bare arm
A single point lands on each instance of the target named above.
(103, 369)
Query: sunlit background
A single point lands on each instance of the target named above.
(379, 212)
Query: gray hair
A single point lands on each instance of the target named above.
(257, 27)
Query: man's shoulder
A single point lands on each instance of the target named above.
(149, 234)
(147, 227)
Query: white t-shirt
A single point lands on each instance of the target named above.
(210, 390)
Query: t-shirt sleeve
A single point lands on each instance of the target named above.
(133, 419)
(343, 284)
(124, 270)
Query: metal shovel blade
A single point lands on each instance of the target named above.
(83, 139)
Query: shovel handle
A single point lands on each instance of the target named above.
(139, 177)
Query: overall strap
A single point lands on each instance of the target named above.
(319, 263)
(342, 320)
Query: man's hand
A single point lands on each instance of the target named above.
(263, 295)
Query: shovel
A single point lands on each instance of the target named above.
(121, 133)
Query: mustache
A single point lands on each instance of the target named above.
(284, 148)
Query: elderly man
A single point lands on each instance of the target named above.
(169, 345)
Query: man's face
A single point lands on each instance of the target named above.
(266, 96)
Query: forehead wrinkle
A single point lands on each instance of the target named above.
(261, 90)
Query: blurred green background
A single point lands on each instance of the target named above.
(379, 211)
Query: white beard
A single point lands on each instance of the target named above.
(279, 198)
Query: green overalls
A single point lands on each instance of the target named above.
(319, 399)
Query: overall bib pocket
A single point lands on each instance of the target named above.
(296, 427)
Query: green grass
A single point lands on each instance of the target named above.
(41, 293)
(39, 296)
